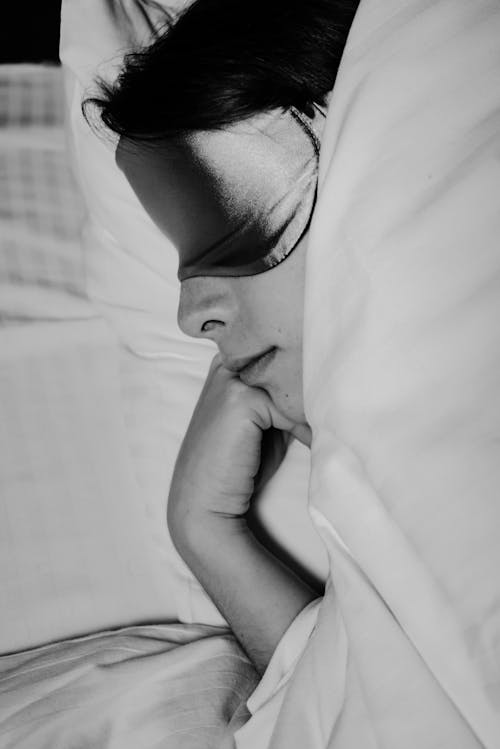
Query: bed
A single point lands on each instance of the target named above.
(106, 638)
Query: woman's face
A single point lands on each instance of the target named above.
(256, 322)
(248, 317)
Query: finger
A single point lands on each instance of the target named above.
(215, 363)
(274, 418)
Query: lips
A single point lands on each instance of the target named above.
(238, 365)
(252, 369)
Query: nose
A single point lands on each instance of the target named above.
(204, 310)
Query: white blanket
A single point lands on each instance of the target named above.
(402, 354)
(137, 688)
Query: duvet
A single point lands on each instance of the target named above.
(150, 686)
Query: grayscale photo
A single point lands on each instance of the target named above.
(250, 374)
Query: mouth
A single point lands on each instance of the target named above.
(252, 368)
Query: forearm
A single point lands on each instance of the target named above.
(258, 596)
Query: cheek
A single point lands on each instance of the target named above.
(268, 323)
(271, 304)
(286, 392)
(275, 316)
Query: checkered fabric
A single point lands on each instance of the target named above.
(40, 208)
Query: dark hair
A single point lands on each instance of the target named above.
(225, 60)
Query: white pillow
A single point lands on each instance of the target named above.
(132, 276)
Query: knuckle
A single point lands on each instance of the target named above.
(244, 398)
(235, 392)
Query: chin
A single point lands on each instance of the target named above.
(290, 404)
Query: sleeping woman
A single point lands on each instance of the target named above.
(220, 123)
(220, 126)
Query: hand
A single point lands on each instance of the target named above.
(235, 442)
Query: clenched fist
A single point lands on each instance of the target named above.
(224, 458)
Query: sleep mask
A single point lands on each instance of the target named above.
(234, 201)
